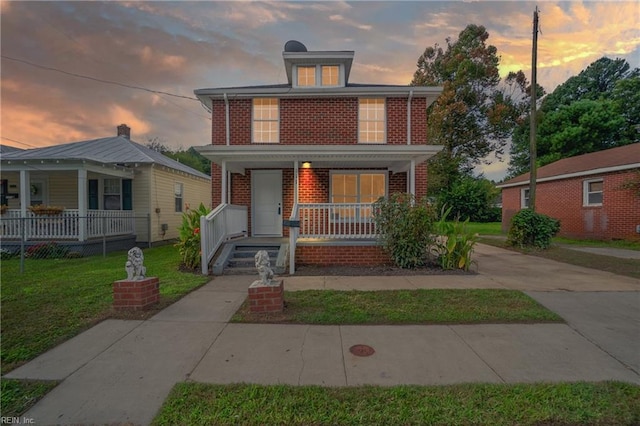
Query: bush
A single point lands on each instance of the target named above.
(531, 229)
(189, 245)
(46, 251)
(471, 198)
(405, 228)
(454, 246)
(6, 254)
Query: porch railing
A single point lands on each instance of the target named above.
(344, 220)
(294, 232)
(68, 225)
(223, 223)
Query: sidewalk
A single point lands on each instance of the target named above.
(121, 371)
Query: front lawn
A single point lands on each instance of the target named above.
(55, 299)
(608, 403)
(437, 306)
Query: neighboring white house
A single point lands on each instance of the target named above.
(109, 186)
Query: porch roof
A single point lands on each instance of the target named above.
(396, 158)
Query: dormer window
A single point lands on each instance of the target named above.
(317, 75)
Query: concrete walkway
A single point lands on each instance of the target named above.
(121, 371)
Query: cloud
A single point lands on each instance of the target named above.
(350, 22)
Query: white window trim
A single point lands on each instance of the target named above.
(585, 192)
(105, 194)
(175, 197)
(356, 172)
(253, 122)
(524, 205)
(384, 141)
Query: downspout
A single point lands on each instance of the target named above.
(409, 117)
(226, 118)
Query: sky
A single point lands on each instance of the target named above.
(177, 47)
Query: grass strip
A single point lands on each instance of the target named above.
(395, 307)
(20, 395)
(56, 299)
(605, 403)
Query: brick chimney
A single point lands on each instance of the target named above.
(124, 130)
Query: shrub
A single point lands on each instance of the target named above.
(471, 198)
(189, 245)
(454, 246)
(405, 228)
(50, 250)
(6, 254)
(531, 229)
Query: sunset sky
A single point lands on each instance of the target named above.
(176, 47)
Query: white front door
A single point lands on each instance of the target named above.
(266, 202)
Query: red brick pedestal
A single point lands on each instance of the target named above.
(266, 298)
(136, 295)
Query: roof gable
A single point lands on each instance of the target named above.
(619, 158)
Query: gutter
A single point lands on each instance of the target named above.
(226, 118)
(409, 117)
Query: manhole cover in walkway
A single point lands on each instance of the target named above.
(361, 350)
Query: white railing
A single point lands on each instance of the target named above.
(68, 225)
(223, 223)
(342, 220)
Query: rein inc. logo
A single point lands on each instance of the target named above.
(16, 420)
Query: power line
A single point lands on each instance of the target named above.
(98, 79)
(21, 143)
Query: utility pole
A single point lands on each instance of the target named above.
(533, 174)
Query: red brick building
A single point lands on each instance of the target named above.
(589, 194)
(306, 159)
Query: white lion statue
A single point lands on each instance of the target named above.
(263, 264)
(134, 267)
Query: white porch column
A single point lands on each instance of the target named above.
(25, 192)
(82, 204)
(295, 182)
(223, 184)
(412, 178)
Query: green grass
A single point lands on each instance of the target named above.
(491, 228)
(55, 299)
(19, 395)
(607, 403)
(615, 265)
(622, 244)
(459, 306)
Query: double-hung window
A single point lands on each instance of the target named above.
(307, 76)
(371, 120)
(524, 198)
(330, 75)
(112, 194)
(592, 192)
(266, 120)
(356, 189)
(178, 189)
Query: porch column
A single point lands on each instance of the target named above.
(412, 178)
(223, 184)
(295, 182)
(82, 204)
(25, 192)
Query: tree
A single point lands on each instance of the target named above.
(595, 110)
(471, 198)
(476, 112)
(190, 157)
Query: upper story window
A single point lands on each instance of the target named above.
(317, 75)
(371, 120)
(592, 192)
(307, 76)
(524, 198)
(266, 120)
(330, 75)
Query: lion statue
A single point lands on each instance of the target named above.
(134, 267)
(263, 264)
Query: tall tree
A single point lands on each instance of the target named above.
(595, 110)
(477, 110)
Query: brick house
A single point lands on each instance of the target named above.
(303, 161)
(586, 192)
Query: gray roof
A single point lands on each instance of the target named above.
(111, 150)
(5, 149)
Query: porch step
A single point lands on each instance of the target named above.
(241, 258)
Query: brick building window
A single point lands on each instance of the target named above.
(524, 198)
(356, 187)
(307, 76)
(371, 120)
(592, 192)
(178, 192)
(330, 75)
(266, 120)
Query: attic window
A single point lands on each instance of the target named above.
(330, 75)
(317, 75)
(307, 76)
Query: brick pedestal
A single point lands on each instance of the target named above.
(136, 295)
(266, 298)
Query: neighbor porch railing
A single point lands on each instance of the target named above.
(337, 221)
(223, 223)
(68, 225)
